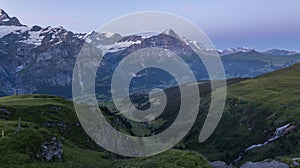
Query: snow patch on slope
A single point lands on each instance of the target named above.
(34, 38)
(119, 46)
(5, 30)
(19, 68)
(235, 50)
(108, 34)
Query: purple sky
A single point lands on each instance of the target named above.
(260, 24)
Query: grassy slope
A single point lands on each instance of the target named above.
(38, 111)
(281, 87)
(280, 91)
(171, 158)
(254, 109)
(54, 113)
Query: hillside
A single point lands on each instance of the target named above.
(49, 125)
(279, 88)
(255, 108)
(261, 121)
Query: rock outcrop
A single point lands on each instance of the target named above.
(265, 164)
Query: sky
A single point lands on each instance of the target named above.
(259, 24)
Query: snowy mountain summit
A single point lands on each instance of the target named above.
(280, 52)
(235, 50)
(7, 20)
(171, 32)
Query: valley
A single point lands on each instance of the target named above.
(251, 117)
(40, 127)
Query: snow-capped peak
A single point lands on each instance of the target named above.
(171, 32)
(108, 34)
(146, 34)
(168, 32)
(110, 42)
(235, 50)
(2, 12)
(279, 52)
(5, 20)
(194, 44)
(3, 16)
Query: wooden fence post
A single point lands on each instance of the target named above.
(2, 133)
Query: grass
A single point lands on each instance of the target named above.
(254, 109)
(171, 158)
(20, 147)
(41, 119)
(53, 113)
(280, 87)
(34, 100)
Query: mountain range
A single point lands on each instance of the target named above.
(275, 52)
(41, 60)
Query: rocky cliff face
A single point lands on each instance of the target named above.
(41, 60)
(265, 164)
(35, 59)
(8, 21)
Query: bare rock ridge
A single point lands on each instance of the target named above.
(5, 19)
